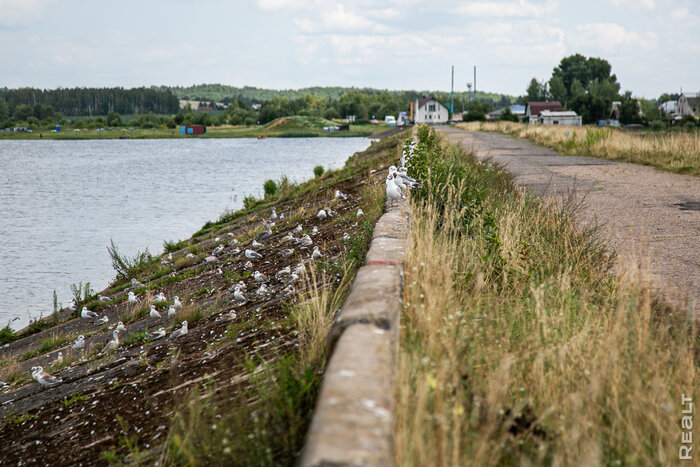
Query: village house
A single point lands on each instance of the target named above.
(533, 109)
(428, 110)
(562, 117)
(689, 104)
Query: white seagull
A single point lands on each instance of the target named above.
(273, 215)
(133, 299)
(72, 306)
(224, 318)
(177, 304)
(259, 276)
(306, 241)
(44, 378)
(262, 290)
(153, 313)
(360, 213)
(287, 252)
(321, 214)
(346, 237)
(217, 250)
(112, 344)
(120, 327)
(160, 298)
(316, 254)
(103, 320)
(252, 254)
(87, 313)
(238, 295)
(171, 311)
(297, 229)
(59, 359)
(180, 332)
(158, 334)
(340, 195)
(392, 191)
(78, 343)
(248, 265)
(256, 244)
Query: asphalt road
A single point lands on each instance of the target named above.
(650, 218)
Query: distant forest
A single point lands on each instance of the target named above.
(159, 106)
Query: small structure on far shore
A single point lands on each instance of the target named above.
(192, 129)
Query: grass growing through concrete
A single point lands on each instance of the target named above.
(518, 345)
(673, 151)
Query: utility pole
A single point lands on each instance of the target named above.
(474, 81)
(452, 92)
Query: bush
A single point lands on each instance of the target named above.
(270, 188)
(318, 171)
(249, 202)
(658, 125)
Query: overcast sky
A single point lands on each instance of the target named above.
(652, 45)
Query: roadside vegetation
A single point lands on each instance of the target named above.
(519, 345)
(677, 151)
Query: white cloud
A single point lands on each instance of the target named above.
(518, 9)
(21, 12)
(276, 5)
(648, 4)
(609, 38)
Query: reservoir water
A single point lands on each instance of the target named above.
(61, 202)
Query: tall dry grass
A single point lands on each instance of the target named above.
(675, 151)
(520, 347)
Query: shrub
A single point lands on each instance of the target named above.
(658, 125)
(270, 188)
(318, 171)
(249, 202)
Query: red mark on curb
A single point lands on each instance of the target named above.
(395, 263)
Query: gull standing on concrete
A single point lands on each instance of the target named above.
(252, 254)
(88, 314)
(392, 191)
(44, 378)
(153, 313)
(78, 343)
(180, 332)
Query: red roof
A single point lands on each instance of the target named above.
(537, 107)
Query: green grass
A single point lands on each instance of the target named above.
(519, 346)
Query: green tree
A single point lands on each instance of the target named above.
(23, 112)
(4, 110)
(508, 116)
(557, 90)
(113, 119)
(536, 91)
(629, 109)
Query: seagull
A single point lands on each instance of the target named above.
(73, 306)
(135, 283)
(180, 332)
(262, 290)
(252, 254)
(248, 265)
(331, 212)
(314, 231)
(360, 213)
(3, 385)
(289, 290)
(44, 378)
(300, 270)
(241, 285)
(87, 313)
(259, 276)
(78, 343)
(306, 241)
(283, 273)
(120, 327)
(59, 359)
(103, 320)
(153, 313)
(231, 235)
(238, 295)
(256, 244)
(297, 229)
(113, 344)
(171, 311)
(211, 259)
(160, 298)
(217, 250)
(265, 234)
(321, 214)
(340, 195)
(224, 318)
(190, 256)
(316, 254)
(102, 298)
(392, 191)
(287, 252)
(273, 215)
(287, 238)
(177, 304)
(346, 237)
(133, 299)
(160, 333)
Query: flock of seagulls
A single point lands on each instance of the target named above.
(397, 181)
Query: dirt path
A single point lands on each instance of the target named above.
(644, 213)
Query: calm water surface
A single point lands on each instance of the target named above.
(62, 201)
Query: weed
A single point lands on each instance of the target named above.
(130, 268)
(270, 188)
(74, 398)
(82, 294)
(318, 171)
(172, 246)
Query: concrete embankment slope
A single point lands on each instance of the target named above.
(644, 213)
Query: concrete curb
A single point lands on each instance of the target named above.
(354, 416)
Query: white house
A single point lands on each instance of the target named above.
(669, 108)
(567, 117)
(689, 103)
(429, 110)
